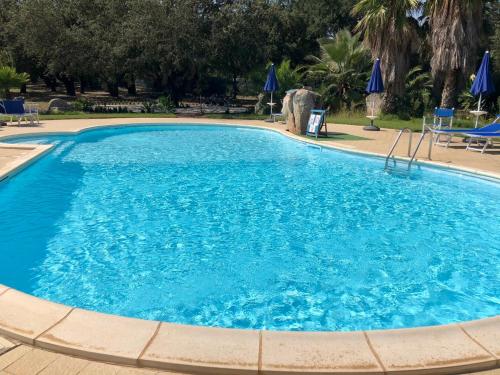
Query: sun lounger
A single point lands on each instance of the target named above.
(487, 137)
(16, 109)
(490, 128)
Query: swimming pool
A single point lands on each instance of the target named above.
(244, 228)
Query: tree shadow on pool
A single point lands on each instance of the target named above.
(30, 206)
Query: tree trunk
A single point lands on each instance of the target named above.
(24, 89)
(235, 87)
(69, 84)
(394, 54)
(455, 37)
(113, 89)
(131, 88)
(390, 102)
(158, 83)
(50, 82)
(453, 85)
(82, 86)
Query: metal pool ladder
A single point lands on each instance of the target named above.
(411, 155)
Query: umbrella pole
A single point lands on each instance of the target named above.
(478, 113)
(271, 104)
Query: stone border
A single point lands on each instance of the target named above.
(36, 152)
(448, 349)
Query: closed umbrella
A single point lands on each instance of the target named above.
(483, 84)
(375, 86)
(271, 85)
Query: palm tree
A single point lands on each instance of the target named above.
(418, 91)
(9, 79)
(455, 34)
(341, 70)
(389, 30)
(288, 77)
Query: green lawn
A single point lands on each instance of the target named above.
(391, 122)
(83, 115)
(243, 116)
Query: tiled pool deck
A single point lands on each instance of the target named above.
(59, 339)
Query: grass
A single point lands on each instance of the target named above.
(242, 116)
(390, 121)
(83, 115)
(359, 119)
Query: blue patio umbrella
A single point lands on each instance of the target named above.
(483, 84)
(271, 85)
(375, 86)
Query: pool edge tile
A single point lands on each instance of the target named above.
(24, 317)
(486, 332)
(429, 350)
(317, 352)
(208, 350)
(99, 336)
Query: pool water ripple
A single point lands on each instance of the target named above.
(245, 228)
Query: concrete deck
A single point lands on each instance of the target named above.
(19, 359)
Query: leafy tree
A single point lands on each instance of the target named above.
(237, 39)
(340, 71)
(324, 17)
(388, 28)
(56, 34)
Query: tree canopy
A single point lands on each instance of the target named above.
(207, 47)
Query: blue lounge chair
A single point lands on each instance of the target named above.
(16, 109)
(487, 137)
(490, 128)
(442, 120)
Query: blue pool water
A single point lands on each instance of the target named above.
(246, 228)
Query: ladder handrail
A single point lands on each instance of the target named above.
(427, 129)
(396, 143)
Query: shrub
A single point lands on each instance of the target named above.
(82, 105)
(166, 104)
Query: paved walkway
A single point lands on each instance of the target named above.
(25, 360)
(18, 359)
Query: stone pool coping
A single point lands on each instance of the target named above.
(448, 349)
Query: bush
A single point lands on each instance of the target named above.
(82, 105)
(148, 107)
(166, 104)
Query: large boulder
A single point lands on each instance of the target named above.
(304, 101)
(59, 105)
(288, 109)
